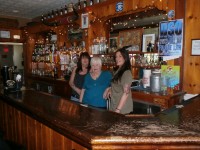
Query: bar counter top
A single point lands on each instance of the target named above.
(91, 127)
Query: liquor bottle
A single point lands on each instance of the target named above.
(33, 56)
(65, 11)
(51, 54)
(47, 53)
(52, 14)
(91, 2)
(55, 72)
(79, 4)
(57, 12)
(42, 18)
(85, 3)
(61, 11)
(98, 1)
(49, 15)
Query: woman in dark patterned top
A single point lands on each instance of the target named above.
(78, 74)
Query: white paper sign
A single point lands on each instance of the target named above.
(195, 47)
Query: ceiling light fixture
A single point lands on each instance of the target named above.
(15, 11)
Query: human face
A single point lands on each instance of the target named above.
(119, 59)
(96, 68)
(84, 61)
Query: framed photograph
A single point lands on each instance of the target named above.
(195, 47)
(131, 38)
(113, 42)
(148, 40)
(84, 21)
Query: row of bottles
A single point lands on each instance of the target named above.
(69, 8)
(99, 46)
(46, 69)
(48, 59)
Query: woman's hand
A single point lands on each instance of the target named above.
(107, 93)
(117, 110)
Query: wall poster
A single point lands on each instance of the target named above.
(171, 38)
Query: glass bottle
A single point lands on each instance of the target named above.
(49, 15)
(61, 11)
(33, 56)
(85, 3)
(55, 72)
(57, 12)
(91, 2)
(52, 14)
(65, 11)
(79, 4)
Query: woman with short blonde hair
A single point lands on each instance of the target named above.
(95, 84)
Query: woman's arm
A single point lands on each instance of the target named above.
(81, 95)
(71, 81)
(126, 91)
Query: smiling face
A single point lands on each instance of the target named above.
(85, 61)
(96, 68)
(119, 59)
(96, 65)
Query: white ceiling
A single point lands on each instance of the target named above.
(30, 9)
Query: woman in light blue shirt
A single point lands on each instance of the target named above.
(95, 84)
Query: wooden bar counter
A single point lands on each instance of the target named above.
(41, 121)
(157, 98)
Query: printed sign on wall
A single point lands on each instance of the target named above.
(171, 38)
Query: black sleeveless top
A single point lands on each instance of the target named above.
(78, 82)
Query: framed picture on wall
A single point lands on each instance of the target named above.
(84, 21)
(131, 38)
(195, 47)
(113, 42)
(148, 40)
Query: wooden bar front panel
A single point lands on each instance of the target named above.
(34, 135)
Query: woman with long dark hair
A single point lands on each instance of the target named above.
(120, 90)
(78, 74)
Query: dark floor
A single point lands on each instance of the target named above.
(8, 145)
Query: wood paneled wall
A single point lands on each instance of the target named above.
(30, 133)
(187, 9)
(191, 75)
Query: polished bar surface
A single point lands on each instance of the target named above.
(95, 128)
